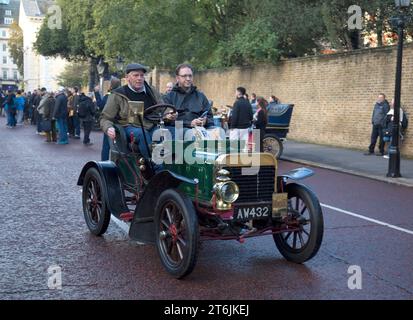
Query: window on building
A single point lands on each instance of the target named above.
(5, 60)
(4, 47)
(15, 75)
(5, 74)
(3, 33)
(7, 12)
(8, 20)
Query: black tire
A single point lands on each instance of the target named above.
(177, 233)
(272, 144)
(304, 208)
(95, 210)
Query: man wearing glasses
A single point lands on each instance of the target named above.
(192, 105)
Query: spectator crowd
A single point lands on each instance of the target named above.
(58, 116)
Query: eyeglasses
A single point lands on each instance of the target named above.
(187, 76)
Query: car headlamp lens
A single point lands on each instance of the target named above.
(228, 191)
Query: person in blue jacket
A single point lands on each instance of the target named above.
(20, 102)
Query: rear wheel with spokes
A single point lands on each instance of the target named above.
(177, 231)
(96, 213)
(272, 144)
(306, 219)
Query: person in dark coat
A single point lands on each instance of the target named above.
(191, 104)
(241, 118)
(2, 99)
(261, 119)
(241, 111)
(74, 131)
(381, 108)
(88, 108)
(10, 109)
(48, 110)
(60, 114)
(35, 102)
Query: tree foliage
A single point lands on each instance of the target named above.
(69, 41)
(16, 46)
(207, 33)
(74, 75)
(376, 15)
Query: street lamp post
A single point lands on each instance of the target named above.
(101, 70)
(120, 63)
(394, 149)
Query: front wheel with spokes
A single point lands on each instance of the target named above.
(177, 233)
(305, 218)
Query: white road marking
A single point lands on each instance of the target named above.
(121, 224)
(385, 224)
(125, 226)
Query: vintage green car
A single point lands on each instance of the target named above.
(218, 192)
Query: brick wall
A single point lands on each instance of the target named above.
(333, 94)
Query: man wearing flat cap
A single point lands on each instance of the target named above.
(117, 107)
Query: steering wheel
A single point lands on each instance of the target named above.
(157, 112)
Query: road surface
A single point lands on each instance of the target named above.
(368, 232)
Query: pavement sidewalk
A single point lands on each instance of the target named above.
(347, 161)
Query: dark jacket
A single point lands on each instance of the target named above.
(101, 102)
(48, 108)
(2, 98)
(9, 104)
(262, 120)
(380, 112)
(75, 102)
(89, 105)
(241, 117)
(260, 123)
(60, 109)
(189, 105)
(36, 100)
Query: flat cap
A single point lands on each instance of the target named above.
(135, 67)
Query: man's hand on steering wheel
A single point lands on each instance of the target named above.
(159, 112)
(171, 116)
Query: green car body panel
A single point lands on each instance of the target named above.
(197, 160)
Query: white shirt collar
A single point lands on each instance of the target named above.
(142, 90)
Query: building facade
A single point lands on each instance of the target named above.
(9, 73)
(39, 71)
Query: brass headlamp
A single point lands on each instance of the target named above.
(227, 191)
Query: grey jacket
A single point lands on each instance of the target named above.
(43, 100)
(379, 112)
(48, 108)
